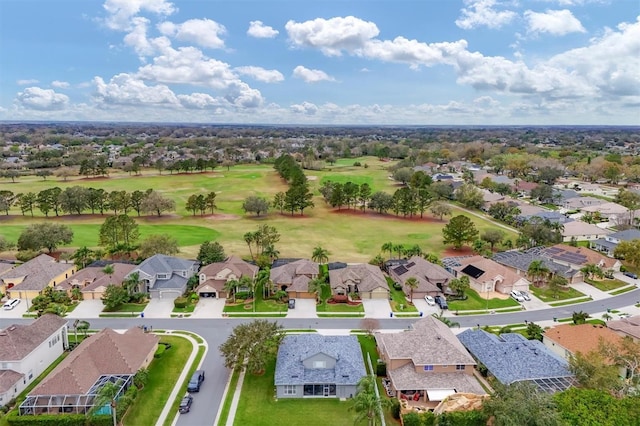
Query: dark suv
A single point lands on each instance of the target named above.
(185, 404)
(630, 275)
(442, 302)
(196, 380)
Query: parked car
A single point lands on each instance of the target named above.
(196, 381)
(517, 296)
(185, 404)
(630, 275)
(441, 302)
(430, 301)
(10, 304)
(292, 303)
(525, 295)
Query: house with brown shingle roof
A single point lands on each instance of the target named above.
(427, 360)
(432, 279)
(31, 278)
(578, 257)
(293, 277)
(569, 339)
(93, 281)
(366, 280)
(27, 350)
(627, 327)
(486, 275)
(100, 358)
(213, 277)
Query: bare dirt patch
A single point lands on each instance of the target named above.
(463, 251)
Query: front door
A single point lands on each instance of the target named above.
(325, 391)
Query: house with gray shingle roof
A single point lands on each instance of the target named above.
(312, 365)
(28, 280)
(427, 360)
(27, 350)
(432, 279)
(366, 280)
(294, 276)
(213, 277)
(511, 358)
(609, 243)
(519, 261)
(165, 277)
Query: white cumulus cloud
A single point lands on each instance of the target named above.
(332, 36)
(203, 32)
(555, 22)
(261, 74)
(126, 89)
(306, 108)
(483, 13)
(258, 29)
(311, 76)
(60, 84)
(42, 99)
(120, 12)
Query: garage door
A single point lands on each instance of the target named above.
(379, 293)
(169, 294)
(208, 294)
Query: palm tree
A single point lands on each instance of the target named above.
(412, 283)
(398, 248)
(446, 320)
(537, 270)
(230, 288)
(320, 255)
(76, 293)
(271, 252)
(83, 256)
(317, 286)
(250, 238)
(83, 326)
(108, 395)
(579, 317)
(367, 403)
(388, 247)
(591, 270)
(262, 280)
(131, 283)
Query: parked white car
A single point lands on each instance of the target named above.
(517, 296)
(430, 300)
(10, 304)
(525, 295)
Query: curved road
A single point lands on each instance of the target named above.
(215, 332)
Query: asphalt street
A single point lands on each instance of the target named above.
(215, 332)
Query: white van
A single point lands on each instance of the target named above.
(10, 304)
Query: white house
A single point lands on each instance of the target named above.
(582, 231)
(27, 350)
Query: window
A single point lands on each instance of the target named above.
(460, 367)
(319, 364)
(428, 368)
(30, 374)
(289, 389)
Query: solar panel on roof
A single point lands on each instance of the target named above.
(410, 264)
(472, 271)
(400, 270)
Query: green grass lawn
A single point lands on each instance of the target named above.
(186, 310)
(606, 285)
(339, 307)
(258, 407)
(622, 290)
(85, 234)
(398, 299)
(571, 302)
(163, 374)
(354, 237)
(476, 302)
(261, 306)
(226, 406)
(129, 307)
(546, 295)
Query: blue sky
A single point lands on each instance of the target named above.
(425, 62)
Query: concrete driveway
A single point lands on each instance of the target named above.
(87, 309)
(305, 308)
(209, 307)
(422, 306)
(159, 308)
(21, 308)
(376, 308)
